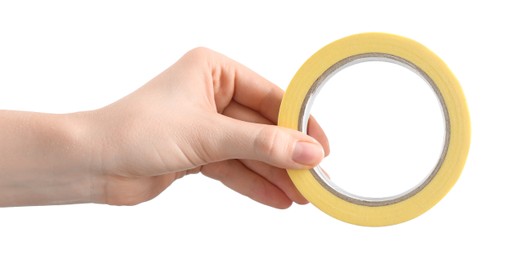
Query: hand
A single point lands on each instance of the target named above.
(205, 113)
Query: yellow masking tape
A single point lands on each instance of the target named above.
(435, 71)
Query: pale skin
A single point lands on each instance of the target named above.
(206, 113)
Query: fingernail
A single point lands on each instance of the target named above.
(309, 154)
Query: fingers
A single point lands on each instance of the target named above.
(236, 176)
(317, 132)
(228, 138)
(254, 95)
(238, 111)
(249, 89)
(238, 91)
(278, 177)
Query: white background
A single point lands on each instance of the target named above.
(57, 56)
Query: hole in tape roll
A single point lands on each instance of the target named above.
(386, 125)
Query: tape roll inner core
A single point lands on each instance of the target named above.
(314, 90)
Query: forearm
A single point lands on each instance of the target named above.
(44, 159)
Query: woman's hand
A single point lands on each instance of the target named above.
(206, 113)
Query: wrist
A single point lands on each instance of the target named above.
(72, 158)
(83, 135)
(46, 159)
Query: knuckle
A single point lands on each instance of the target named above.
(268, 142)
(199, 53)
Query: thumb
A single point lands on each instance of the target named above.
(277, 146)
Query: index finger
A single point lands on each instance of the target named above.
(259, 94)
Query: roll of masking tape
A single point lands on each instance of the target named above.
(314, 184)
